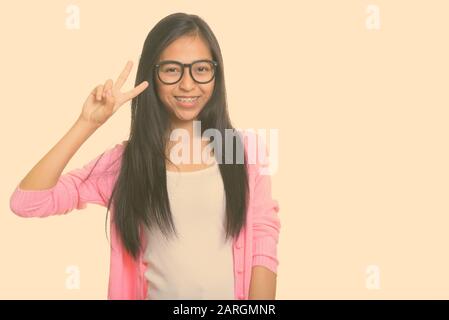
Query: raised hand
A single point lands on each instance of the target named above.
(104, 100)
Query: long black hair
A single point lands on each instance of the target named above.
(140, 194)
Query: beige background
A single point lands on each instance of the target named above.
(362, 118)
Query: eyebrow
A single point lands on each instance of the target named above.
(184, 62)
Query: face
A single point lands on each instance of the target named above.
(185, 49)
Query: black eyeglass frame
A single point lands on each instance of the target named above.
(183, 66)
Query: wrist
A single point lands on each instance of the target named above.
(85, 124)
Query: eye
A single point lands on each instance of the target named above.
(202, 69)
(170, 68)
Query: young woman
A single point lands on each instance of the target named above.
(179, 230)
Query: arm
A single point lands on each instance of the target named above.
(266, 228)
(73, 189)
(44, 191)
(45, 174)
(102, 102)
(263, 284)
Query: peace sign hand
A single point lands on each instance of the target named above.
(104, 100)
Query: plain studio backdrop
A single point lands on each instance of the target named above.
(357, 89)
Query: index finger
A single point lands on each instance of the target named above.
(124, 74)
(136, 91)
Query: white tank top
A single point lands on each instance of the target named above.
(198, 264)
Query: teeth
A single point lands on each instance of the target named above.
(186, 99)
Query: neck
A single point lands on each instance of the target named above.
(185, 125)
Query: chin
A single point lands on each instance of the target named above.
(185, 115)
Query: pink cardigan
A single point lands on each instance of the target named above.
(255, 245)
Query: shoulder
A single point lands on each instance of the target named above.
(109, 161)
(114, 156)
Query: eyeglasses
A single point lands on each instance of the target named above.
(201, 71)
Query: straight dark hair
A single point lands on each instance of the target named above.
(140, 194)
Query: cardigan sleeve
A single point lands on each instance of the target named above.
(73, 190)
(266, 222)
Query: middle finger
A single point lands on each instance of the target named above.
(107, 86)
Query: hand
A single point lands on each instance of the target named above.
(105, 99)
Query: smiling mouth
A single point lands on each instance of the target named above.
(186, 99)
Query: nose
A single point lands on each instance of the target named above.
(186, 83)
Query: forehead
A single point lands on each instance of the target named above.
(186, 49)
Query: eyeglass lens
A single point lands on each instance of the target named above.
(202, 71)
